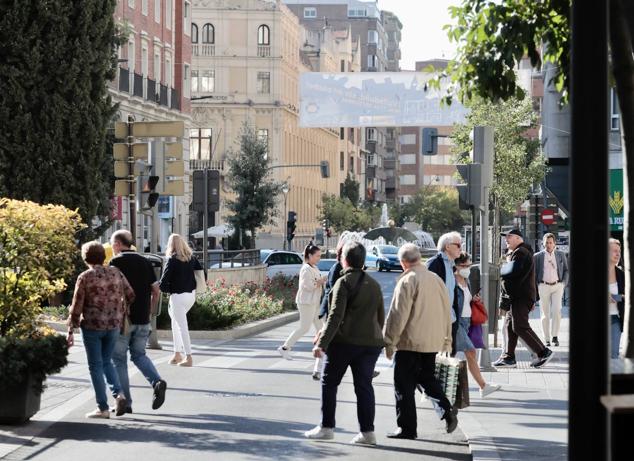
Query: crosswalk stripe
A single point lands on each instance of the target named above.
(229, 360)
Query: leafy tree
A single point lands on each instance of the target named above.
(351, 189)
(343, 215)
(435, 209)
(54, 105)
(256, 193)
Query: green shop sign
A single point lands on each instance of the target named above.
(616, 200)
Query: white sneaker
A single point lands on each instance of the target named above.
(489, 389)
(286, 353)
(98, 414)
(316, 376)
(364, 438)
(320, 433)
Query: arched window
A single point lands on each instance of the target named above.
(264, 35)
(194, 33)
(209, 34)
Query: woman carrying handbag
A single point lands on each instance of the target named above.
(464, 342)
(179, 281)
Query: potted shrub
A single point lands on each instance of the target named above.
(37, 253)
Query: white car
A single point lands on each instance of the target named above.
(277, 261)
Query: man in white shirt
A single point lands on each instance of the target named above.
(551, 277)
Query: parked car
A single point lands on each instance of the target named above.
(324, 265)
(285, 262)
(386, 257)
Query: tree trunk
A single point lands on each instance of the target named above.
(621, 25)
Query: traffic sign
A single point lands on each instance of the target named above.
(548, 216)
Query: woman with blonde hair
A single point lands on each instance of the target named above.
(179, 281)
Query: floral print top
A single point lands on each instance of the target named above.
(102, 295)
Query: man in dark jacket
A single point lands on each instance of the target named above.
(352, 337)
(518, 284)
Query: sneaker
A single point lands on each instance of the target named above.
(451, 419)
(159, 394)
(286, 353)
(555, 341)
(546, 357)
(399, 433)
(375, 373)
(98, 414)
(120, 405)
(547, 343)
(489, 389)
(505, 362)
(364, 438)
(320, 433)
(127, 410)
(316, 375)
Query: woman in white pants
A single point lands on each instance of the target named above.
(179, 281)
(308, 301)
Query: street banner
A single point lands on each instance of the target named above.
(616, 201)
(358, 99)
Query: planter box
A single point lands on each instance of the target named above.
(18, 405)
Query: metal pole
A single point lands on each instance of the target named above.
(474, 222)
(132, 189)
(588, 430)
(205, 219)
(286, 227)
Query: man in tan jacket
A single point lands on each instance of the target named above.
(418, 326)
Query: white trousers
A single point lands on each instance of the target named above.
(179, 305)
(308, 314)
(550, 299)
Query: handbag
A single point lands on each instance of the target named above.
(201, 283)
(479, 313)
(446, 372)
(462, 391)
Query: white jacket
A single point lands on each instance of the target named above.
(309, 291)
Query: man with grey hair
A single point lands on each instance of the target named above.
(418, 325)
(449, 248)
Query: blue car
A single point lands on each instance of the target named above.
(386, 257)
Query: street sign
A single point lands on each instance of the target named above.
(121, 169)
(176, 187)
(548, 216)
(174, 150)
(122, 188)
(139, 151)
(158, 129)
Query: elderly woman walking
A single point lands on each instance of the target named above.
(100, 302)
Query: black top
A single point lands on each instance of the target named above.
(140, 275)
(178, 276)
(518, 276)
(333, 276)
(437, 266)
(620, 283)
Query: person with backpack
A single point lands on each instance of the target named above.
(352, 337)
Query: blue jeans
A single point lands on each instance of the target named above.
(99, 345)
(615, 336)
(135, 340)
(361, 360)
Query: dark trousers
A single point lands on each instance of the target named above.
(412, 369)
(516, 325)
(361, 359)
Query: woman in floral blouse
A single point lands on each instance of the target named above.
(101, 299)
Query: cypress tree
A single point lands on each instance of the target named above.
(56, 58)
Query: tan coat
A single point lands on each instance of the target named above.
(419, 319)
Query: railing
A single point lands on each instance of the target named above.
(176, 101)
(264, 51)
(163, 95)
(204, 49)
(201, 164)
(151, 90)
(124, 80)
(221, 259)
(138, 85)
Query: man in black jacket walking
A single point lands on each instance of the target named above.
(518, 285)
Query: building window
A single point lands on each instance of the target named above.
(310, 12)
(168, 13)
(131, 57)
(373, 36)
(168, 71)
(186, 17)
(263, 136)
(342, 161)
(264, 35)
(372, 61)
(407, 180)
(144, 7)
(342, 133)
(264, 82)
(200, 144)
(209, 34)
(407, 159)
(194, 33)
(207, 81)
(186, 82)
(614, 111)
(343, 66)
(131, 3)
(157, 66)
(157, 11)
(351, 165)
(357, 13)
(371, 134)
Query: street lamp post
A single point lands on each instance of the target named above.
(285, 189)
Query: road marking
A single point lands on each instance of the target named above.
(229, 360)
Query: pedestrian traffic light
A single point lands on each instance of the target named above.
(470, 194)
(429, 142)
(324, 224)
(291, 225)
(148, 196)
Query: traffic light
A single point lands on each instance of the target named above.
(148, 196)
(213, 190)
(291, 225)
(429, 142)
(470, 194)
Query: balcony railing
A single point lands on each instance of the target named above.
(138, 85)
(175, 100)
(264, 51)
(163, 95)
(151, 91)
(198, 164)
(204, 49)
(124, 80)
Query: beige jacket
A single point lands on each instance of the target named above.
(419, 319)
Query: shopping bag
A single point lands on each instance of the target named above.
(446, 372)
(462, 392)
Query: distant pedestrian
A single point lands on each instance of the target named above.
(551, 276)
(351, 338)
(520, 294)
(449, 248)
(464, 342)
(141, 276)
(179, 281)
(308, 298)
(100, 302)
(333, 275)
(616, 278)
(418, 326)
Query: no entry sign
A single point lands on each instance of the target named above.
(548, 216)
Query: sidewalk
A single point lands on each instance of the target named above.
(528, 418)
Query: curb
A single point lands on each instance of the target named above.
(238, 332)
